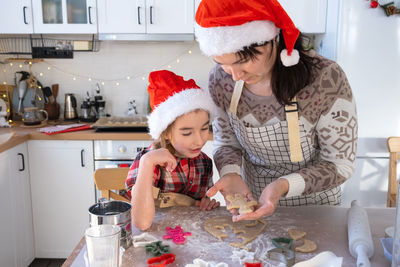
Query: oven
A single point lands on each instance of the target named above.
(116, 154)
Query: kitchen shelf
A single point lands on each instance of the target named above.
(47, 47)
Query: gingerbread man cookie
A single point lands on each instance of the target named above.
(238, 201)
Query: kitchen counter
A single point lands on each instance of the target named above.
(325, 225)
(22, 134)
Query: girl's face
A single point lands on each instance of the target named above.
(189, 133)
(250, 71)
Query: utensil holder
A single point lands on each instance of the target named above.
(53, 109)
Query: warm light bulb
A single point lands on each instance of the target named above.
(4, 83)
(20, 65)
(128, 78)
(11, 64)
(90, 79)
(143, 78)
(190, 51)
(102, 83)
(41, 74)
(117, 83)
(30, 62)
(177, 60)
(4, 95)
(74, 78)
(48, 68)
(39, 87)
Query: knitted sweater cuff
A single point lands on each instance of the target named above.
(296, 184)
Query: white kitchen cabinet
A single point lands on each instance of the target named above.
(309, 16)
(62, 188)
(118, 17)
(16, 17)
(65, 16)
(16, 242)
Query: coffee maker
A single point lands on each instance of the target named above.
(70, 112)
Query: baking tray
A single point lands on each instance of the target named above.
(121, 124)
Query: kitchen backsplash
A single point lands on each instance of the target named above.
(120, 67)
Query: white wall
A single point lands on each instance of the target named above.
(113, 63)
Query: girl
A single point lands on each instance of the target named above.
(174, 164)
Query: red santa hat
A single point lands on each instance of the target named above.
(226, 26)
(170, 97)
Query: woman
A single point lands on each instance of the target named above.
(286, 128)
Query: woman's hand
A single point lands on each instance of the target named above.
(230, 184)
(161, 157)
(268, 200)
(207, 204)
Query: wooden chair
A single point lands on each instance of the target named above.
(394, 150)
(111, 179)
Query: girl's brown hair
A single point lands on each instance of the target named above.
(286, 82)
(163, 142)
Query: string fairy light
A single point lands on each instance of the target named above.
(117, 81)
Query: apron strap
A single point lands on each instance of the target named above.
(292, 118)
(237, 92)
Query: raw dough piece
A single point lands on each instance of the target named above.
(238, 201)
(308, 246)
(248, 230)
(296, 234)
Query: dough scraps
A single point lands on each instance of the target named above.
(296, 234)
(308, 246)
(238, 201)
(245, 230)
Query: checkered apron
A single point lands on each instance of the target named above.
(266, 157)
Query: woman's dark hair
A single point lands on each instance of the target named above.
(286, 82)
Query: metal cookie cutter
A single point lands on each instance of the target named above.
(283, 255)
(283, 251)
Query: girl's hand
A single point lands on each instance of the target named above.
(207, 204)
(230, 184)
(161, 157)
(267, 202)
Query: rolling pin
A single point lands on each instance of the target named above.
(360, 240)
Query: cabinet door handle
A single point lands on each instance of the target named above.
(82, 158)
(138, 15)
(23, 161)
(151, 14)
(90, 16)
(23, 11)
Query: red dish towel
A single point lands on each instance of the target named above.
(64, 128)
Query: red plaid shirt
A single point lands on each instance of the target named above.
(192, 176)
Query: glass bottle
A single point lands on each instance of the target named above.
(396, 238)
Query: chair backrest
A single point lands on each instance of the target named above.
(394, 150)
(111, 179)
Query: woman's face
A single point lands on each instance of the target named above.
(250, 71)
(189, 133)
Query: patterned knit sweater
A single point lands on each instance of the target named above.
(327, 110)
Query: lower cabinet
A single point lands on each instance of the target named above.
(62, 189)
(16, 231)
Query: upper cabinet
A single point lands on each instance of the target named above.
(127, 19)
(65, 16)
(309, 16)
(16, 17)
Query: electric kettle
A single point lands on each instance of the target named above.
(70, 107)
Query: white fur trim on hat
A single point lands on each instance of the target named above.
(291, 60)
(216, 41)
(176, 105)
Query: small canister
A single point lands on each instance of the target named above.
(116, 213)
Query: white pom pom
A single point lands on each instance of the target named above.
(291, 60)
